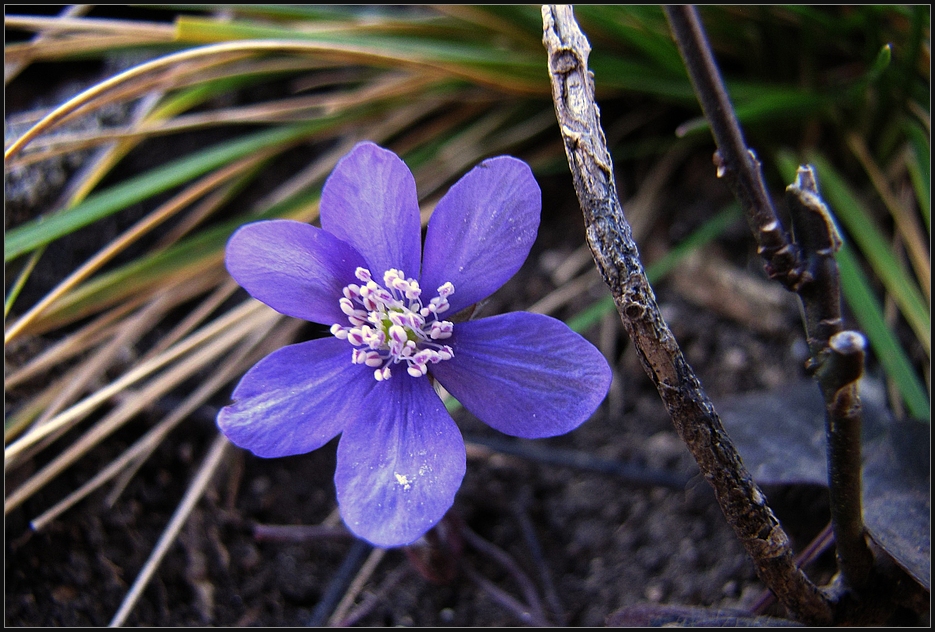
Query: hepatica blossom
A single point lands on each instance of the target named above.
(389, 304)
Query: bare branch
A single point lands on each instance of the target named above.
(736, 164)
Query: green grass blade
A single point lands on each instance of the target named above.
(649, 36)
(42, 231)
(193, 252)
(888, 351)
(755, 103)
(20, 282)
(498, 65)
(920, 169)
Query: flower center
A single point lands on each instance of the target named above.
(389, 324)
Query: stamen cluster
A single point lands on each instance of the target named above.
(389, 324)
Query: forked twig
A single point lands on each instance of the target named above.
(504, 598)
(363, 575)
(371, 599)
(805, 265)
(532, 612)
(615, 252)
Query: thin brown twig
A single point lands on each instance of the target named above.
(736, 164)
(807, 267)
(615, 252)
(373, 598)
(521, 610)
(501, 557)
(373, 560)
(838, 376)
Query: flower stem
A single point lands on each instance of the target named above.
(615, 252)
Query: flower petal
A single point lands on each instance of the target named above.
(481, 231)
(297, 269)
(526, 375)
(370, 201)
(399, 468)
(296, 399)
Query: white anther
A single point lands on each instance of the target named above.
(440, 330)
(390, 324)
(417, 370)
(398, 334)
(438, 305)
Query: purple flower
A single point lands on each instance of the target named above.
(401, 457)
